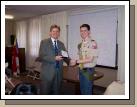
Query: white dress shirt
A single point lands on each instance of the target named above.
(54, 42)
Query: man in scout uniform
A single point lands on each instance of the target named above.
(87, 60)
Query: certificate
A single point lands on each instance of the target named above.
(64, 54)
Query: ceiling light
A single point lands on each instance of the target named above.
(9, 16)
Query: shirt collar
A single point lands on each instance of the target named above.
(52, 39)
(86, 40)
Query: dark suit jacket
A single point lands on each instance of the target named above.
(47, 57)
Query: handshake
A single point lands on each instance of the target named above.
(65, 56)
(70, 62)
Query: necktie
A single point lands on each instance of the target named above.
(56, 53)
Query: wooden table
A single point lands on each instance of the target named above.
(71, 74)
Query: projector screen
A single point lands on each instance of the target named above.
(103, 29)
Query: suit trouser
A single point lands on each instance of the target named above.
(52, 87)
(55, 90)
(86, 85)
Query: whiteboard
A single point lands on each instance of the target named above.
(103, 29)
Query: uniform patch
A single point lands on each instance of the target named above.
(94, 45)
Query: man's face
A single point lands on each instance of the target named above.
(55, 33)
(84, 32)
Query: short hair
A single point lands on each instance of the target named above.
(85, 25)
(54, 26)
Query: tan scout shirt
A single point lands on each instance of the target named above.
(88, 49)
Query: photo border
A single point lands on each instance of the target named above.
(82, 99)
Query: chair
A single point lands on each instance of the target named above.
(34, 70)
(115, 88)
(10, 82)
(24, 89)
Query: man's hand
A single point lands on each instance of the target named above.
(58, 58)
(72, 62)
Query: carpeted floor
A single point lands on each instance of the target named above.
(68, 88)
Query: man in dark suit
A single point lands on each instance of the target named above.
(52, 62)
